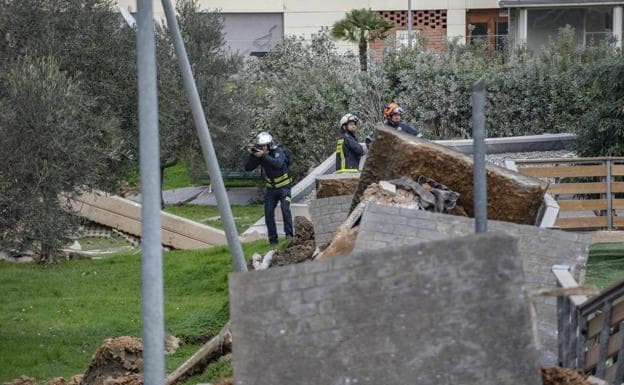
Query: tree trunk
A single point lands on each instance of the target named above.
(211, 351)
(363, 53)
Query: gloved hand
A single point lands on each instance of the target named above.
(369, 139)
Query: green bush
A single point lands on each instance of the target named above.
(601, 131)
(300, 89)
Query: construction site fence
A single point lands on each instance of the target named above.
(589, 191)
(591, 329)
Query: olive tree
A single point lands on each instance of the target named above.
(53, 144)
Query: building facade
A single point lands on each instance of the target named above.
(254, 27)
(533, 22)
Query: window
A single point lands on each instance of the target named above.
(402, 38)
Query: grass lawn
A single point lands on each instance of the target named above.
(244, 215)
(606, 264)
(177, 176)
(54, 317)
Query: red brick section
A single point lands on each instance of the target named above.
(430, 25)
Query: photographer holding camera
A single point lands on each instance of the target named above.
(274, 160)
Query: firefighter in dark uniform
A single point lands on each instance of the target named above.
(274, 162)
(392, 117)
(348, 150)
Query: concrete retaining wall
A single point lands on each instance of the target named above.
(327, 214)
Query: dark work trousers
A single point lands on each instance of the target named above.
(271, 197)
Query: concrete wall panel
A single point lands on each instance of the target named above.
(434, 314)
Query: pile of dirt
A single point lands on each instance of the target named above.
(300, 248)
(562, 376)
(75, 380)
(118, 361)
(22, 380)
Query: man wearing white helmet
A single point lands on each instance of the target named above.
(348, 150)
(274, 160)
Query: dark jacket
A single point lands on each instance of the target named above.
(274, 163)
(348, 153)
(402, 127)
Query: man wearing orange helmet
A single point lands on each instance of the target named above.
(392, 117)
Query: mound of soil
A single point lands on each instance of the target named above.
(75, 380)
(301, 247)
(22, 380)
(563, 376)
(119, 361)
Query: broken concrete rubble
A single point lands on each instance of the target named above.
(401, 192)
(347, 232)
(511, 196)
(332, 185)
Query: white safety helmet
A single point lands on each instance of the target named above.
(348, 118)
(264, 138)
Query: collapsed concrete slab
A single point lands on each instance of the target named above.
(436, 313)
(332, 185)
(385, 226)
(512, 197)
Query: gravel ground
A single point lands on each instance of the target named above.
(499, 159)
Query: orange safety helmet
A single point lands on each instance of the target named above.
(392, 108)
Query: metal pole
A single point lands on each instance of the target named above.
(238, 258)
(409, 23)
(478, 140)
(151, 261)
(609, 202)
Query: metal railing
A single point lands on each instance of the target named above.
(591, 330)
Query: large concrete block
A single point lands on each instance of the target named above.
(327, 214)
(512, 197)
(433, 314)
(540, 249)
(332, 185)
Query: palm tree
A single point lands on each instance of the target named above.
(361, 26)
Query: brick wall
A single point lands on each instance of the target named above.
(327, 214)
(429, 25)
(385, 226)
(438, 313)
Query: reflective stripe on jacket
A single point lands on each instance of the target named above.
(274, 165)
(348, 153)
(278, 182)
